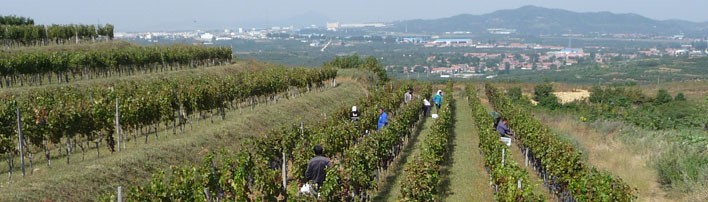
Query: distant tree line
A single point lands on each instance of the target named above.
(25, 35)
(354, 61)
(21, 31)
(15, 20)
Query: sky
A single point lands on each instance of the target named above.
(157, 15)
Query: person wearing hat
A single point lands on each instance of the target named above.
(354, 114)
(437, 99)
(408, 96)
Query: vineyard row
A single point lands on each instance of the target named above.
(558, 162)
(255, 173)
(423, 175)
(50, 115)
(19, 68)
(363, 165)
(511, 182)
(29, 34)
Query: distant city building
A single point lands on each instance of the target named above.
(333, 26)
(452, 41)
(568, 52)
(502, 31)
(413, 40)
(223, 38)
(206, 37)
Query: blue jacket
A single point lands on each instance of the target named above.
(437, 99)
(383, 120)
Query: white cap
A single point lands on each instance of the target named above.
(439, 91)
(353, 108)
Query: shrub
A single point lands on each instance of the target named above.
(544, 96)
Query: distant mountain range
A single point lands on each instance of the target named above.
(533, 20)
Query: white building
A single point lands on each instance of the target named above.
(206, 37)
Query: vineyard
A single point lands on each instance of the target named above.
(558, 162)
(20, 31)
(360, 150)
(510, 181)
(422, 176)
(191, 123)
(31, 67)
(54, 114)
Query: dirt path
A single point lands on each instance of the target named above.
(391, 188)
(466, 179)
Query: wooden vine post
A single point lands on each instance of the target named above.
(118, 126)
(20, 146)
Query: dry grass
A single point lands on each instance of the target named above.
(577, 94)
(606, 152)
(700, 196)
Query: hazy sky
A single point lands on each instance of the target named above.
(132, 15)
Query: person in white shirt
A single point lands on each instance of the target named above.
(426, 106)
(408, 96)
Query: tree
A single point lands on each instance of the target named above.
(419, 69)
(554, 66)
(372, 64)
(700, 45)
(507, 68)
(680, 97)
(543, 94)
(514, 93)
(662, 97)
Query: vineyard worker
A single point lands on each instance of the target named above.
(316, 167)
(497, 117)
(408, 96)
(383, 118)
(503, 128)
(437, 99)
(354, 114)
(426, 107)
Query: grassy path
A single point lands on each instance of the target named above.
(85, 180)
(391, 187)
(466, 179)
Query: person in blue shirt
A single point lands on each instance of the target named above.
(437, 99)
(383, 118)
(503, 128)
